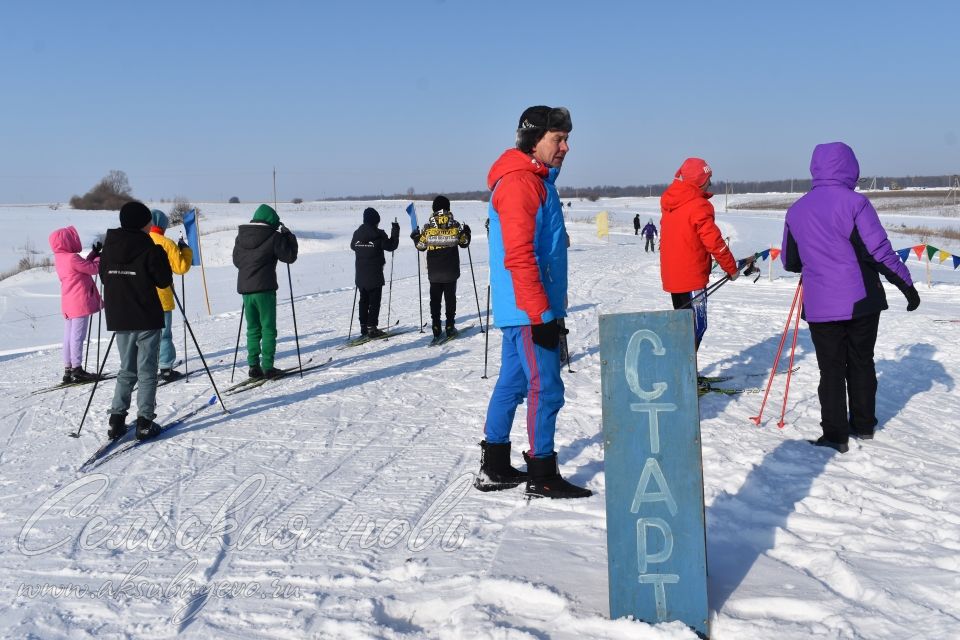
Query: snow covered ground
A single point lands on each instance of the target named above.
(339, 505)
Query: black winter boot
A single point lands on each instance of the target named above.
(545, 480)
(451, 330)
(147, 428)
(170, 375)
(437, 331)
(77, 374)
(255, 371)
(67, 375)
(118, 426)
(496, 472)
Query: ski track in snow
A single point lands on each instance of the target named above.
(370, 460)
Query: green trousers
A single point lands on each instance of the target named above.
(260, 312)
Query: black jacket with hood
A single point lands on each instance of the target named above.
(258, 247)
(368, 243)
(132, 268)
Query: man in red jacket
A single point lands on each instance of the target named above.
(688, 238)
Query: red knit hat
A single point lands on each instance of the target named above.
(694, 170)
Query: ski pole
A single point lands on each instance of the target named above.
(390, 290)
(296, 335)
(86, 355)
(776, 360)
(793, 350)
(76, 434)
(199, 350)
(353, 310)
(475, 294)
(186, 365)
(486, 338)
(706, 293)
(243, 305)
(419, 291)
(99, 322)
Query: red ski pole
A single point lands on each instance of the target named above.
(776, 360)
(793, 350)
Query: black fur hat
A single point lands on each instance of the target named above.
(536, 121)
(441, 203)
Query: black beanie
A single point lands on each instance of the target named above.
(441, 203)
(135, 216)
(370, 216)
(536, 121)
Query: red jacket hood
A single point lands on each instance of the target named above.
(515, 160)
(680, 193)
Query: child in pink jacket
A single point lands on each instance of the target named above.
(79, 298)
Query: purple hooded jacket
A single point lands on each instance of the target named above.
(833, 236)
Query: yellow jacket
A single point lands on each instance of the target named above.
(180, 260)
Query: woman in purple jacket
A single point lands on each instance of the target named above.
(833, 237)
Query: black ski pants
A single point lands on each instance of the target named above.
(447, 291)
(845, 357)
(369, 311)
(649, 246)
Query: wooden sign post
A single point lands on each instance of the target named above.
(656, 540)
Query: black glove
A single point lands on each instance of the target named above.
(182, 244)
(395, 228)
(913, 298)
(415, 235)
(97, 247)
(546, 335)
(466, 229)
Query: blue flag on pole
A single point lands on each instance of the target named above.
(193, 234)
(412, 212)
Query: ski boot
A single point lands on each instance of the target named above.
(170, 375)
(452, 331)
(373, 332)
(77, 374)
(255, 371)
(118, 426)
(273, 373)
(147, 428)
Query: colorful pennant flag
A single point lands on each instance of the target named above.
(956, 261)
(919, 250)
(943, 255)
(904, 254)
(774, 254)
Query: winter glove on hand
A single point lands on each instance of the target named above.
(733, 276)
(415, 235)
(97, 247)
(546, 335)
(466, 230)
(182, 244)
(394, 228)
(913, 298)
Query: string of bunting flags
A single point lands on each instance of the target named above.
(931, 251)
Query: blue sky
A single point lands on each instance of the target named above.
(203, 99)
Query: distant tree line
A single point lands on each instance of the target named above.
(787, 185)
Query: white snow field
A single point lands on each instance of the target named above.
(340, 505)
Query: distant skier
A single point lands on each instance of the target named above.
(132, 268)
(368, 243)
(180, 256)
(442, 238)
(79, 298)
(259, 245)
(636, 224)
(690, 238)
(834, 238)
(649, 232)
(528, 274)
